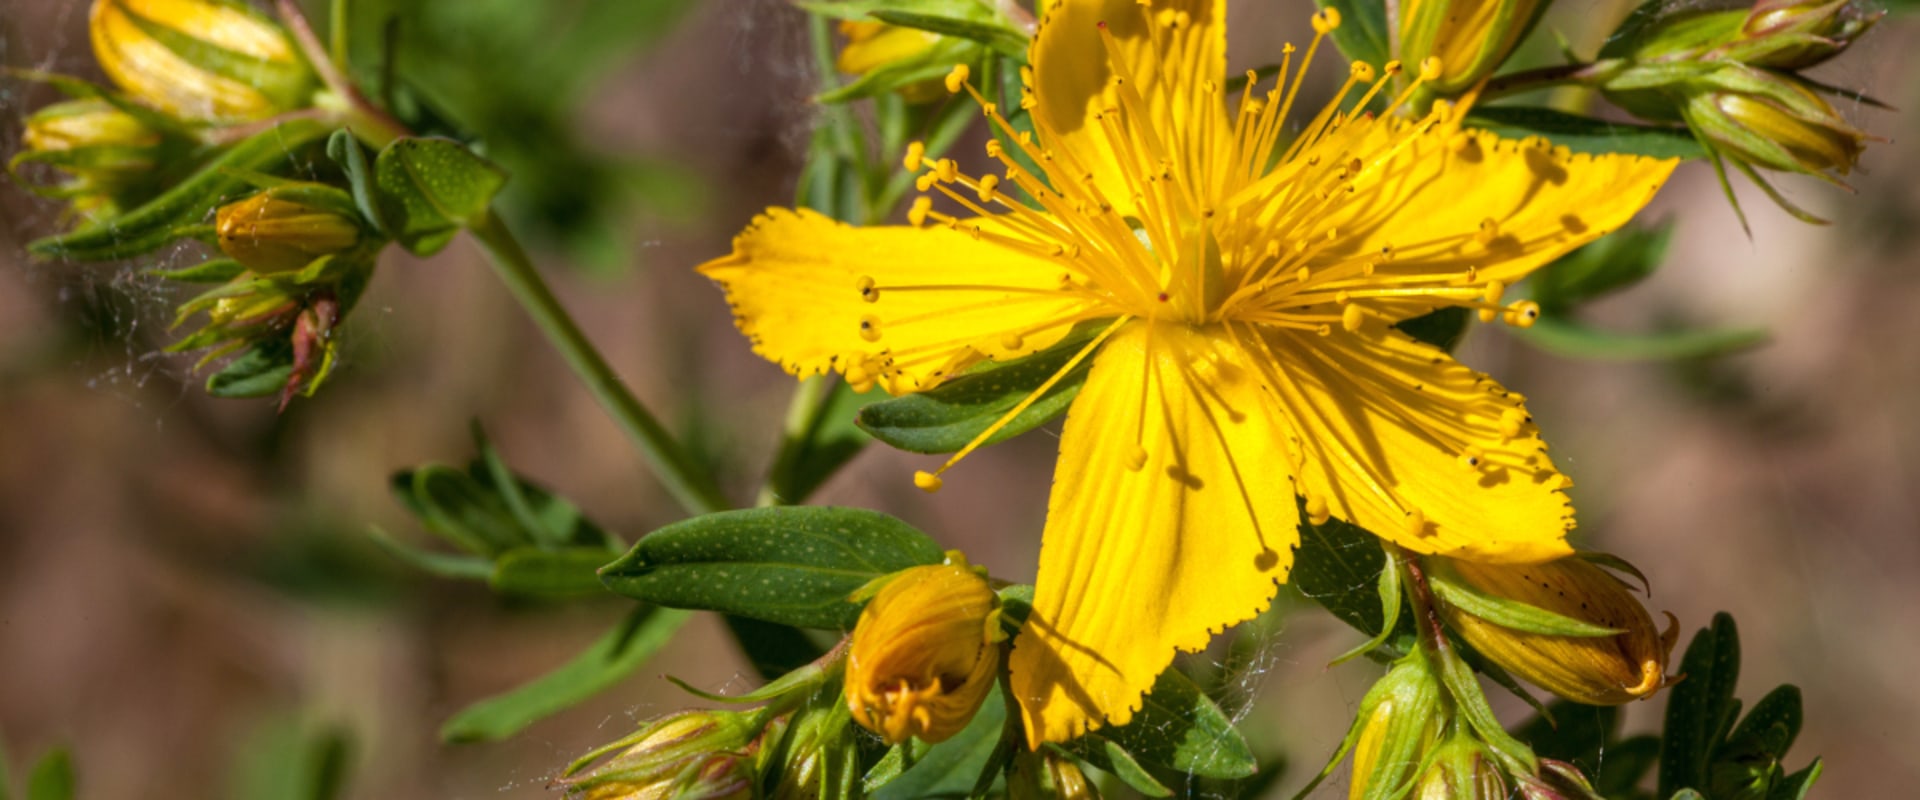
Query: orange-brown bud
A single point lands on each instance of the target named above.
(924, 654)
(286, 228)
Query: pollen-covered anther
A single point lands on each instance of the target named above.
(946, 170)
(1353, 318)
(927, 481)
(957, 79)
(1326, 21)
(1513, 422)
(1495, 290)
(1136, 458)
(994, 149)
(925, 181)
(915, 152)
(917, 213)
(987, 184)
(1318, 512)
(1521, 314)
(870, 328)
(1391, 68)
(868, 291)
(1361, 71)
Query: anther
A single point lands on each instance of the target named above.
(1512, 422)
(1317, 511)
(917, 213)
(1391, 68)
(925, 181)
(868, 291)
(1136, 458)
(957, 79)
(1495, 289)
(915, 152)
(1430, 68)
(927, 481)
(857, 374)
(870, 328)
(993, 148)
(1325, 21)
(1521, 314)
(1361, 71)
(987, 185)
(947, 170)
(1351, 318)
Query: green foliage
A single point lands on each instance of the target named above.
(1589, 737)
(1586, 134)
(962, 766)
(1178, 728)
(966, 19)
(162, 219)
(431, 188)
(821, 438)
(1705, 752)
(794, 565)
(610, 660)
(285, 759)
(52, 776)
(944, 419)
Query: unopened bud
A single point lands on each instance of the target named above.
(1398, 722)
(692, 755)
(216, 61)
(1776, 122)
(1461, 770)
(873, 47)
(1599, 670)
(924, 654)
(1471, 38)
(286, 227)
(1047, 775)
(108, 155)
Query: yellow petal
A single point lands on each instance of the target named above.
(1404, 441)
(1457, 207)
(904, 307)
(1137, 563)
(1179, 80)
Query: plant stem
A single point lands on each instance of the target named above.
(694, 489)
(1541, 78)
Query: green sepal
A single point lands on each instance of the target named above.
(803, 680)
(1507, 612)
(958, 766)
(152, 226)
(219, 270)
(539, 571)
(612, 658)
(1585, 134)
(431, 188)
(259, 372)
(1390, 601)
(794, 565)
(344, 148)
(947, 417)
(443, 565)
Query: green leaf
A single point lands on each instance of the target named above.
(153, 225)
(1363, 34)
(1442, 328)
(431, 188)
(52, 776)
(1509, 613)
(794, 565)
(452, 503)
(285, 759)
(607, 662)
(1796, 786)
(1338, 566)
(1180, 728)
(445, 565)
(1566, 337)
(950, 415)
(827, 440)
(219, 270)
(261, 371)
(1110, 756)
(951, 769)
(1607, 264)
(1585, 134)
(1770, 728)
(533, 571)
(346, 151)
(1701, 708)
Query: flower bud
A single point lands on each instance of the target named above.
(286, 227)
(1556, 780)
(1773, 121)
(1797, 34)
(1047, 775)
(1461, 771)
(875, 48)
(1470, 37)
(924, 654)
(217, 61)
(1600, 670)
(692, 755)
(90, 138)
(817, 752)
(1398, 721)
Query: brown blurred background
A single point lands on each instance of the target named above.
(182, 576)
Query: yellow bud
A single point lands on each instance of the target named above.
(109, 154)
(924, 654)
(1469, 37)
(707, 755)
(275, 231)
(872, 46)
(1595, 670)
(1046, 775)
(215, 61)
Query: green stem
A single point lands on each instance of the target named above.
(694, 489)
(1544, 78)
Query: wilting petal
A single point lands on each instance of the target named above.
(1439, 207)
(1175, 62)
(902, 306)
(1402, 440)
(1138, 563)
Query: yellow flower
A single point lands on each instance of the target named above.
(924, 654)
(212, 60)
(1470, 37)
(1597, 671)
(1243, 291)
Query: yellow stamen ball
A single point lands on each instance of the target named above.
(927, 481)
(1430, 68)
(1326, 21)
(957, 79)
(915, 152)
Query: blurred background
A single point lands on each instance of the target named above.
(186, 584)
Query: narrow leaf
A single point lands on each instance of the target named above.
(1110, 756)
(533, 571)
(1575, 340)
(607, 662)
(946, 418)
(445, 565)
(1699, 708)
(952, 768)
